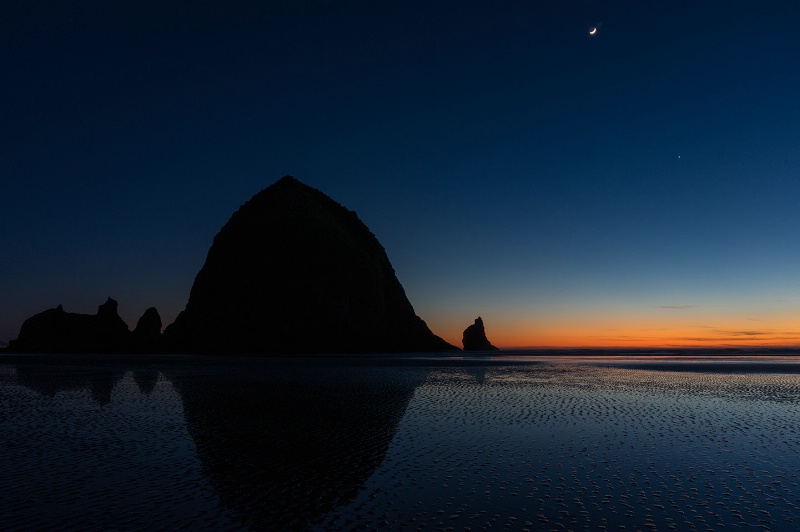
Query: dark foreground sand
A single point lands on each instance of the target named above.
(400, 443)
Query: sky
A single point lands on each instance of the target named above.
(578, 173)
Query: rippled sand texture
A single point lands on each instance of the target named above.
(97, 452)
(346, 444)
(586, 447)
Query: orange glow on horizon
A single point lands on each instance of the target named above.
(634, 332)
(630, 341)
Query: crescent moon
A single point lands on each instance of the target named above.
(592, 31)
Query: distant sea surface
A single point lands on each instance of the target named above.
(662, 440)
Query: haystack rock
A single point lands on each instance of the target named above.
(58, 331)
(293, 271)
(475, 338)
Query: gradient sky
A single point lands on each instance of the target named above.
(639, 186)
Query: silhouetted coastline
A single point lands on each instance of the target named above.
(291, 272)
(58, 331)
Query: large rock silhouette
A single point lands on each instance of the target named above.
(293, 271)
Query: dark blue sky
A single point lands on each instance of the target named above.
(571, 189)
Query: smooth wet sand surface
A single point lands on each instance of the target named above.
(555, 444)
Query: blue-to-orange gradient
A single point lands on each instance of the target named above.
(633, 187)
(626, 330)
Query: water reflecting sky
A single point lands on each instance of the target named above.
(399, 443)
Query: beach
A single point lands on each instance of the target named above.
(401, 442)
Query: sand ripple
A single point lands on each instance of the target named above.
(584, 447)
(70, 462)
(478, 447)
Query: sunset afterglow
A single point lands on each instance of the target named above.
(578, 174)
(651, 327)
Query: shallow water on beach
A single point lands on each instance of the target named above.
(76, 458)
(401, 444)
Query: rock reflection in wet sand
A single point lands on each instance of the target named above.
(77, 455)
(266, 445)
(285, 446)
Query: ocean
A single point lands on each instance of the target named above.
(667, 440)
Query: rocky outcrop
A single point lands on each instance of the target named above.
(58, 331)
(145, 337)
(475, 338)
(293, 271)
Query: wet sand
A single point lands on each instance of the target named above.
(578, 446)
(474, 443)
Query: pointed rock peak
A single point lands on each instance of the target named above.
(150, 322)
(152, 312)
(146, 335)
(288, 183)
(288, 196)
(109, 308)
(288, 180)
(474, 338)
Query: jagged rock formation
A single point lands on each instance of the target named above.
(293, 271)
(58, 331)
(475, 338)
